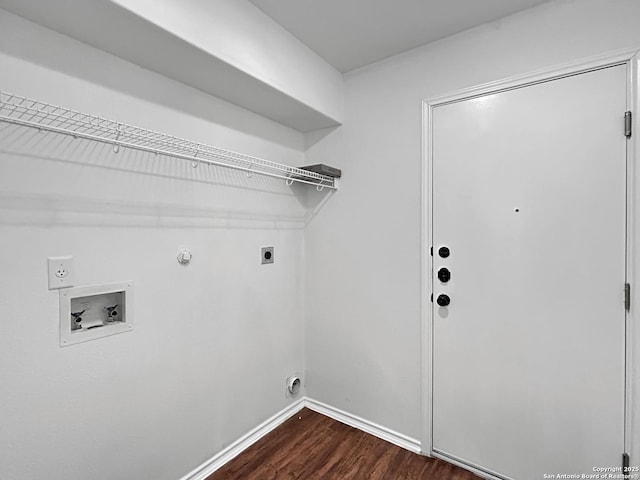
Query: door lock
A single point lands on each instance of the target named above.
(444, 252)
(444, 275)
(443, 300)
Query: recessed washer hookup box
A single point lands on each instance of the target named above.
(323, 169)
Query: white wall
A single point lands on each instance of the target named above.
(364, 248)
(243, 36)
(212, 343)
(227, 48)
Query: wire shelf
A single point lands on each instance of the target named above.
(45, 116)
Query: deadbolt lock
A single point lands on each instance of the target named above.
(444, 275)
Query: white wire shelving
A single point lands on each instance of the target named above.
(25, 111)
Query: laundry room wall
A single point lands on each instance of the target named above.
(363, 250)
(244, 36)
(212, 342)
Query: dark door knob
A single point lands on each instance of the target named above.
(443, 300)
(444, 252)
(444, 275)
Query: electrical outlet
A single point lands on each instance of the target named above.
(267, 255)
(61, 272)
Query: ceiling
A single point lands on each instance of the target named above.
(352, 33)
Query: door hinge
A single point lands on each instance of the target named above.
(627, 124)
(625, 463)
(627, 296)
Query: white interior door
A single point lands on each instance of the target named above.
(529, 194)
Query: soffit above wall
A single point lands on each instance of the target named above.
(110, 27)
(355, 33)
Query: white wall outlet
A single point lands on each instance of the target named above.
(61, 272)
(267, 255)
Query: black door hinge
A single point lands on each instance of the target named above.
(627, 124)
(625, 464)
(627, 296)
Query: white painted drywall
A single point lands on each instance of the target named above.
(245, 37)
(213, 343)
(227, 48)
(363, 249)
(196, 374)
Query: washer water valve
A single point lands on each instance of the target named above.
(76, 317)
(184, 256)
(112, 314)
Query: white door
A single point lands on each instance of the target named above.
(529, 194)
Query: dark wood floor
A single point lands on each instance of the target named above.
(310, 446)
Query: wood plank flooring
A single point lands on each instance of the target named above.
(311, 446)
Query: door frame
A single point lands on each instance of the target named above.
(630, 58)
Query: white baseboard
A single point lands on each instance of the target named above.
(374, 429)
(237, 447)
